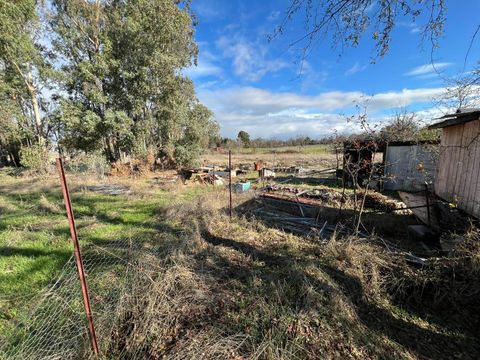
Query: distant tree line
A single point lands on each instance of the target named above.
(244, 140)
(404, 126)
(100, 76)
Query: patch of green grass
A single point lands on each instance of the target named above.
(34, 232)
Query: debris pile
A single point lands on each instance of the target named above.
(290, 169)
(210, 178)
(305, 226)
(327, 195)
(322, 195)
(377, 201)
(108, 189)
(373, 200)
(206, 175)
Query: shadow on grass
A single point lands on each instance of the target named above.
(388, 225)
(308, 180)
(39, 264)
(425, 342)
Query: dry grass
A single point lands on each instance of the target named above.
(242, 290)
(48, 206)
(211, 288)
(324, 160)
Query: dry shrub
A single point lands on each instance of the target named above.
(209, 345)
(165, 302)
(361, 259)
(468, 249)
(47, 206)
(121, 169)
(452, 282)
(378, 201)
(444, 284)
(91, 163)
(135, 168)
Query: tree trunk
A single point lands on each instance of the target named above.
(38, 119)
(32, 91)
(36, 109)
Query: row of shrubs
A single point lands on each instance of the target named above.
(36, 159)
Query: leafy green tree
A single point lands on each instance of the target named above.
(11, 134)
(23, 70)
(244, 137)
(123, 62)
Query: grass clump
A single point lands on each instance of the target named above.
(48, 206)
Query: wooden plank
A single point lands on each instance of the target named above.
(471, 173)
(459, 183)
(476, 173)
(445, 163)
(447, 155)
(441, 168)
(468, 162)
(454, 142)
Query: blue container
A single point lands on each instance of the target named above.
(241, 187)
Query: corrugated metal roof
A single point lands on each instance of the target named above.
(462, 116)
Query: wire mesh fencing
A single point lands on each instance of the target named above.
(54, 326)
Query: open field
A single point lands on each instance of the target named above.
(213, 288)
(309, 156)
(319, 149)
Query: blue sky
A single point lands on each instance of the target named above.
(256, 86)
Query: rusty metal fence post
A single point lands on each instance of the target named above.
(230, 179)
(78, 257)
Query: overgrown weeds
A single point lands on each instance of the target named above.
(258, 293)
(198, 285)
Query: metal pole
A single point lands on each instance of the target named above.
(230, 179)
(428, 204)
(78, 257)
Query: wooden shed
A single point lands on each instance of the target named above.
(458, 168)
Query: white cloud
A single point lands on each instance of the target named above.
(412, 27)
(311, 79)
(355, 69)
(209, 9)
(274, 15)
(415, 29)
(286, 114)
(428, 69)
(404, 97)
(250, 59)
(203, 69)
